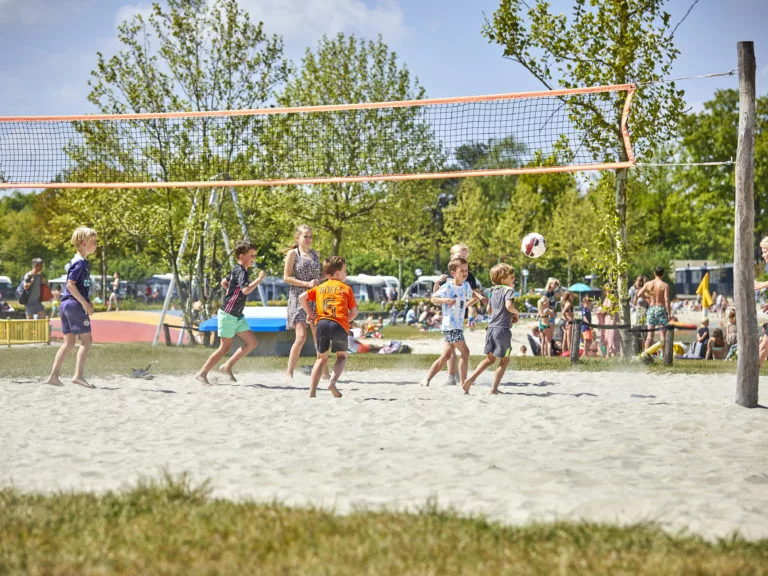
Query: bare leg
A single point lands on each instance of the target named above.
(482, 367)
(649, 339)
(222, 350)
(249, 343)
(338, 368)
(326, 375)
(319, 367)
(86, 342)
(438, 364)
(453, 364)
(61, 355)
(461, 347)
(498, 374)
(298, 344)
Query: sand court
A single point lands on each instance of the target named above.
(618, 447)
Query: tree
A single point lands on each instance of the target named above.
(711, 136)
(346, 70)
(605, 42)
(189, 55)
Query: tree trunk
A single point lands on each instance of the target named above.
(622, 279)
(336, 243)
(104, 274)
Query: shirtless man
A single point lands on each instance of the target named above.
(656, 292)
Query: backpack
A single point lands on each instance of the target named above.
(22, 295)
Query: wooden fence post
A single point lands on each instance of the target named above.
(575, 341)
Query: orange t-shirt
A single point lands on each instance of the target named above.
(333, 301)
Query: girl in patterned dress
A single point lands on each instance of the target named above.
(301, 272)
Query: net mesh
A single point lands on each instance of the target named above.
(450, 137)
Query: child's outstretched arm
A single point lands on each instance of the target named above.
(353, 313)
(252, 286)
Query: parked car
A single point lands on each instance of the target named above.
(421, 287)
(372, 288)
(7, 288)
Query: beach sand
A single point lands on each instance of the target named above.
(615, 447)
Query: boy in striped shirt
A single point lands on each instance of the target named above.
(230, 317)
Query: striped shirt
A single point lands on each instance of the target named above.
(234, 299)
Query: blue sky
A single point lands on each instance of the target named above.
(48, 47)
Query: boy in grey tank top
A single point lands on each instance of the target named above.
(498, 336)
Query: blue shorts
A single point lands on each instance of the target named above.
(36, 308)
(74, 320)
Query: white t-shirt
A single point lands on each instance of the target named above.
(453, 316)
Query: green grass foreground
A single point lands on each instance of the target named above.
(108, 359)
(173, 527)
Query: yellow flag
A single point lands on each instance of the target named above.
(703, 289)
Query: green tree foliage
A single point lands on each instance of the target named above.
(189, 55)
(604, 42)
(345, 70)
(20, 222)
(708, 191)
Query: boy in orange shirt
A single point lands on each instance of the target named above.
(336, 308)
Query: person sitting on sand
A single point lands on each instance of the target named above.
(716, 348)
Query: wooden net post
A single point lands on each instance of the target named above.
(748, 369)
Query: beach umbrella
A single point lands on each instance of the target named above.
(579, 288)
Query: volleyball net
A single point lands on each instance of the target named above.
(493, 135)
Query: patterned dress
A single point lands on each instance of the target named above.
(304, 269)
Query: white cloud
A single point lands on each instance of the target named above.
(307, 20)
(128, 11)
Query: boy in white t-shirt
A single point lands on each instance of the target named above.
(454, 297)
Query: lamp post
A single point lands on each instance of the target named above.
(443, 199)
(525, 281)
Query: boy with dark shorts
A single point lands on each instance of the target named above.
(498, 336)
(454, 296)
(335, 308)
(76, 309)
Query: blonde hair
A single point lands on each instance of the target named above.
(82, 234)
(300, 229)
(543, 300)
(551, 282)
(500, 272)
(457, 248)
(764, 242)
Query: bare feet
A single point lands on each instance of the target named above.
(494, 391)
(224, 369)
(467, 385)
(53, 381)
(424, 382)
(313, 394)
(82, 382)
(326, 376)
(203, 379)
(333, 389)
